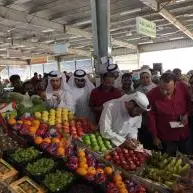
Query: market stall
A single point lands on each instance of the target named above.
(52, 150)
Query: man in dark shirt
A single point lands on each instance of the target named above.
(105, 92)
(17, 84)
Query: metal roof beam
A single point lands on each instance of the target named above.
(14, 15)
(168, 16)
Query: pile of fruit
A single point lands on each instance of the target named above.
(87, 166)
(126, 158)
(164, 169)
(97, 143)
(40, 167)
(25, 155)
(58, 181)
(120, 185)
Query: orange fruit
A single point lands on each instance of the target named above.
(117, 177)
(81, 154)
(83, 159)
(27, 122)
(91, 170)
(35, 123)
(123, 190)
(19, 122)
(38, 140)
(120, 184)
(11, 121)
(108, 171)
(81, 171)
(32, 129)
(100, 170)
(61, 151)
(83, 165)
(47, 140)
(55, 140)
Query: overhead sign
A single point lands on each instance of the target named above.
(61, 48)
(146, 27)
(39, 60)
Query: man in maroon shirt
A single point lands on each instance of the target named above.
(105, 92)
(169, 104)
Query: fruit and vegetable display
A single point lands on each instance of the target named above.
(58, 181)
(40, 167)
(25, 154)
(127, 159)
(164, 169)
(65, 121)
(97, 143)
(121, 185)
(7, 143)
(87, 166)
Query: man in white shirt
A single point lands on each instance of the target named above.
(58, 93)
(117, 73)
(81, 88)
(121, 119)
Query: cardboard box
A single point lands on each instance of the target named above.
(7, 173)
(25, 185)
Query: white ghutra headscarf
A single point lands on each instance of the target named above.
(81, 95)
(64, 92)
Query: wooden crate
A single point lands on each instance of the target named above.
(25, 185)
(7, 173)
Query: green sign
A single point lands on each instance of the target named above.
(146, 27)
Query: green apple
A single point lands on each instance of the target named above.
(96, 148)
(103, 149)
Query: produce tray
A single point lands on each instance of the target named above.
(97, 152)
(18, 165)
(150, 185)
(39, 178)
(64, 190)
(9, 175)
(18, 186)
(97, 155)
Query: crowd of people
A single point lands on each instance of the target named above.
(156, 112)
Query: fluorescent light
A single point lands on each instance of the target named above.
(83, 22)
(48, 41)
(188, 15)
(147, 42)
(130, 11)
(179, 1)
(47, 30)
(176, 38)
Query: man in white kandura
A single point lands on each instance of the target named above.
(58, 93)
(118, 74)
(81, 88)
(121, 118)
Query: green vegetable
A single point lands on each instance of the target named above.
(21, 155)
(58, 181)
(40, 167)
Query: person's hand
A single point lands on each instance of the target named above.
(58, 98)
(131, 143)
(184, 120)
(157, 143)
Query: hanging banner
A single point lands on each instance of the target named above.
(146, 27)
(39, 60)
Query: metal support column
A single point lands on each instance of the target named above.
(101, 32)
(58, 63)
